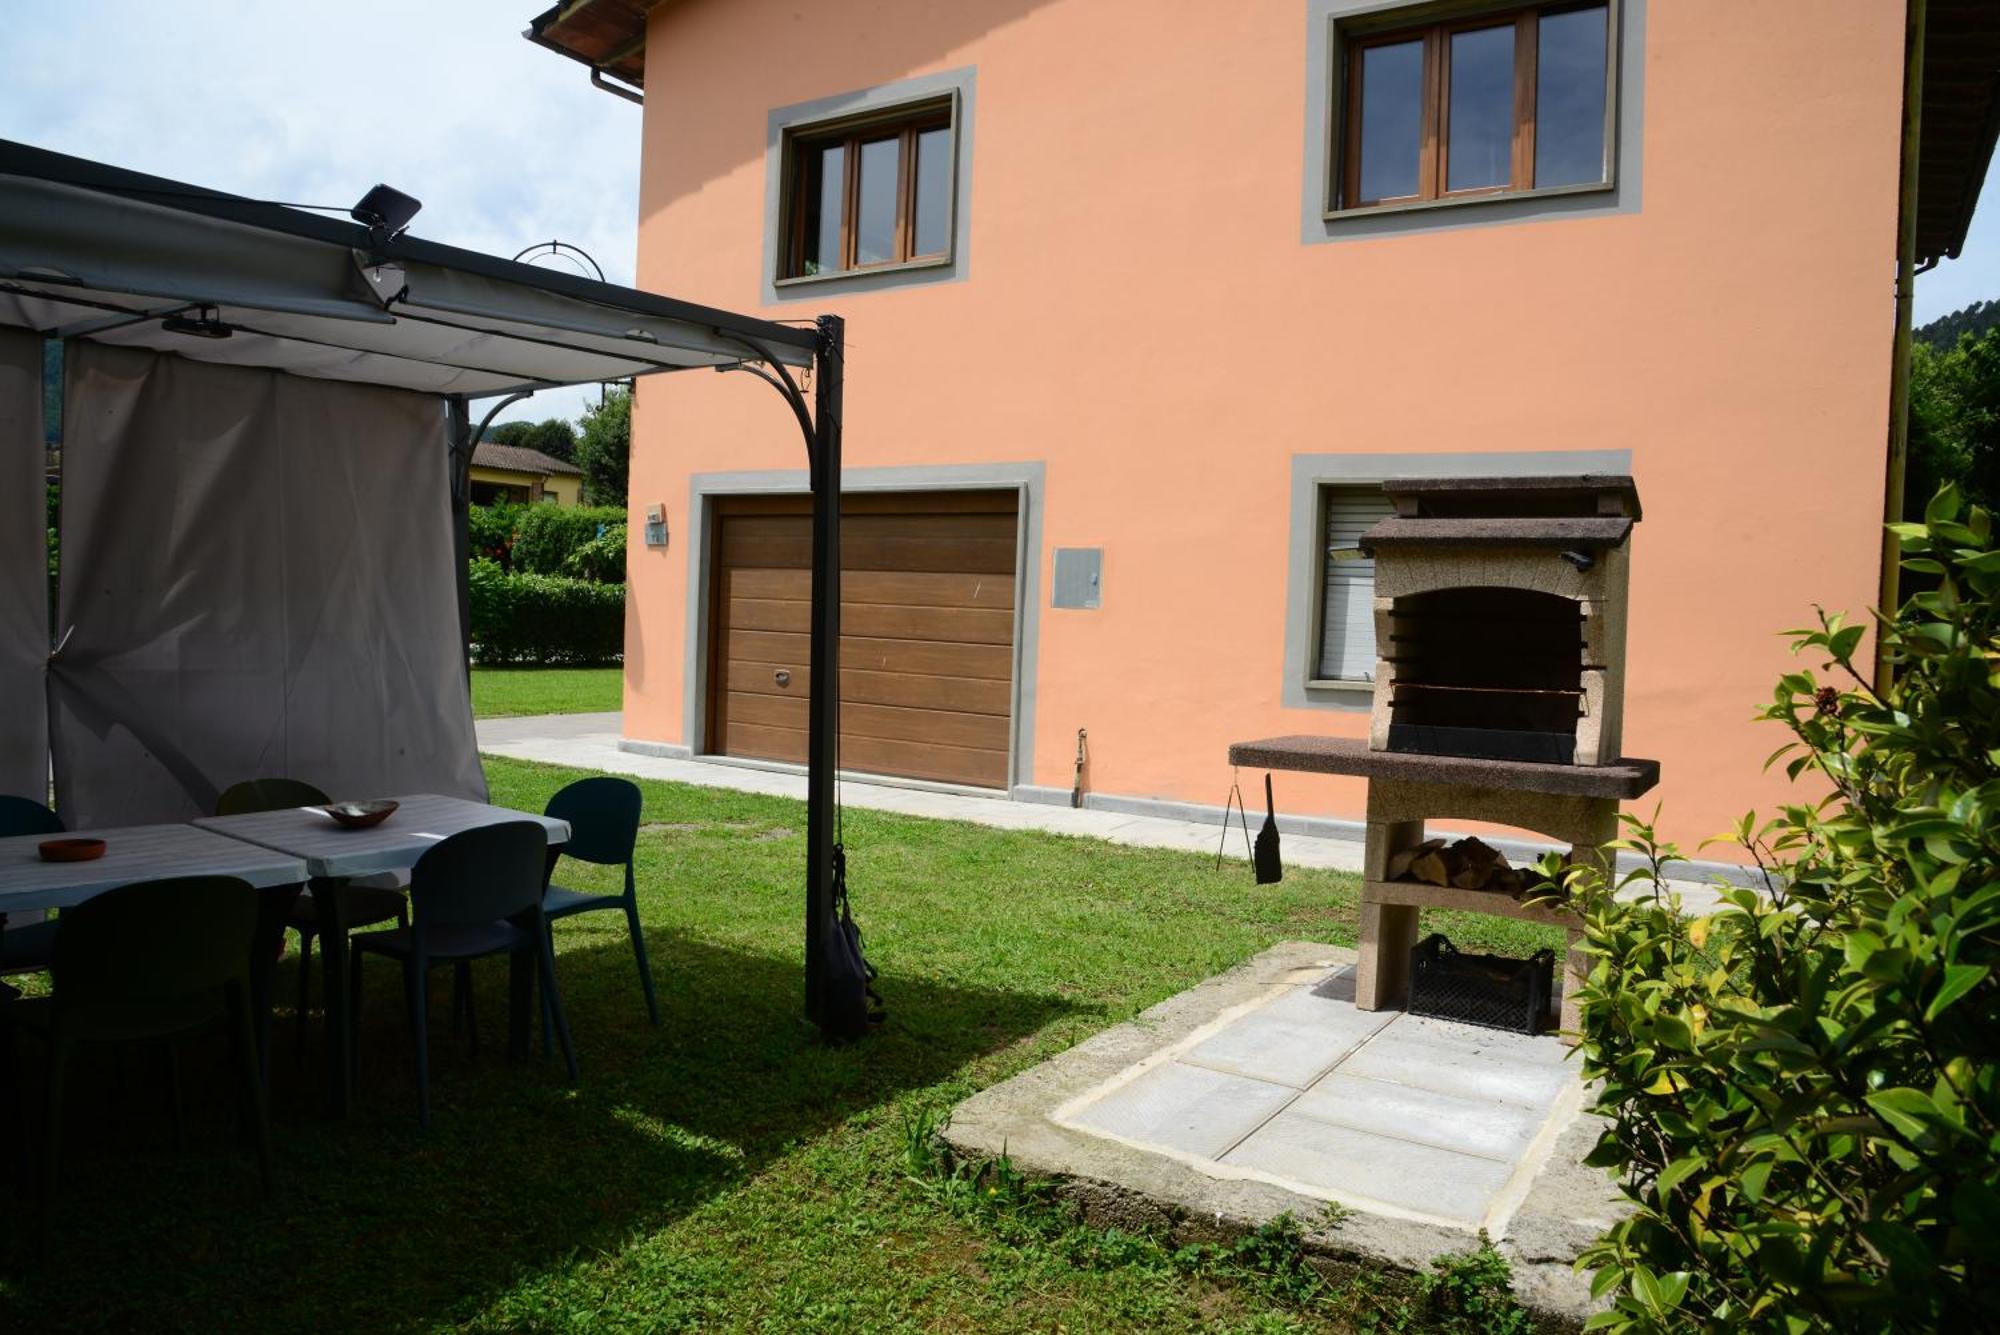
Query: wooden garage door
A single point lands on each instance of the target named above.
(927, 632)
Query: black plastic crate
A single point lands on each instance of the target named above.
(1489, 990)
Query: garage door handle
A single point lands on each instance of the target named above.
(783, 677)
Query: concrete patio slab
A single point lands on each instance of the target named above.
(1184, 1108)
(1144, 1127)
(1293, 1041)
(1378, 1172)
(1426, 1117)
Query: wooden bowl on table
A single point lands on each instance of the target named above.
(360, 815)
(71, 850)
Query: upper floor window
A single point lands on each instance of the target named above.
(1488, 104)
(871, 193)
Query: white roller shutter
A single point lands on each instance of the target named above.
(1347, 609)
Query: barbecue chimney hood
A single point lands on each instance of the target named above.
(1500, 617)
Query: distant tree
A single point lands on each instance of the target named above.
(553, 437)
(1955, 420)
(1944, 332)
(605, 449)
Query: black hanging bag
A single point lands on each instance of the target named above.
(849, 1004)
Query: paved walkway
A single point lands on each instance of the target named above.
(590, 741)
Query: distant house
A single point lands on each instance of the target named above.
(518, 475)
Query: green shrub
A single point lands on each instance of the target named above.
(490, 529)
(544, 618)
(602, 559)
(545, 536)
(1801, 1089)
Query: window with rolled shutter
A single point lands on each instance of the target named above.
(1347, 607)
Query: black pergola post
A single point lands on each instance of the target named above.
(823, 720)
(458, 430)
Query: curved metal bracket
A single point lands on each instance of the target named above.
(782, 382)
(461, 462)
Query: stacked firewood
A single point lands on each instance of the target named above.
(1468, 864)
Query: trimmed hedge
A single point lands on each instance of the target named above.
(585, 542)
(544, 618)
(546, 535)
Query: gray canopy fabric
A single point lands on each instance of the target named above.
(88, 251)
(256, 581)
(24, 616)
(258, 575)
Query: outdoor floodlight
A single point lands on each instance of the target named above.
(202, 324)
(385, 210)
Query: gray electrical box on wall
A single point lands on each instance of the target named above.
(1079, 575)
(656, 526)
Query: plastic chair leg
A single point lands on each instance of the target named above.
(542, 993)
(353, 1011)
(639, 953)
(462, 1008)
(415, 986)
(173, 1055)
(61, 1046)
(546, 958)
(305, 987)
(250, 1082)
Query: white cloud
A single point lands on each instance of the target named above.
(505, 143)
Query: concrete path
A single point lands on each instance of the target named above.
(590, 741)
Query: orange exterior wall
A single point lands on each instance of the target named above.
(1141, 315)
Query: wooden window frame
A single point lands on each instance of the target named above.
(904, 124)
(1434, 151)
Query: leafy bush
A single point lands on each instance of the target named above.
(604, 449)
(491, 530)
(602, 559)
(525, 618)
(1801, 1086)
(545, 536)
(1955, 419)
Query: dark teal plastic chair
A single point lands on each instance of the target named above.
(28, 941)
(475, 894)
(603, 816)
(152, 961)
(362, 904)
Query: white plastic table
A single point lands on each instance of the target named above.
(133, 853)
(332, 850)
(334, 855)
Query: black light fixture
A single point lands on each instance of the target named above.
(385, 211)
(202, 324)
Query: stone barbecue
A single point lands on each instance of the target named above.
(1500, 612)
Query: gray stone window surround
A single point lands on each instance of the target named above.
(883, 99)
(1326, 24)
(1312, 474)
(1027, 479)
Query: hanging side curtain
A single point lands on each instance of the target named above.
(256, 582)
(24, 570)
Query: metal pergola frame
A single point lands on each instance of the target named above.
(94, 252)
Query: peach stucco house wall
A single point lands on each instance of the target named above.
(1149, 326)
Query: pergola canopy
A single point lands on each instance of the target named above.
(96, 252)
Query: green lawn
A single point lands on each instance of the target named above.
(504, 692)
(724, 1170)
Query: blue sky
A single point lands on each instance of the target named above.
(505, 143)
